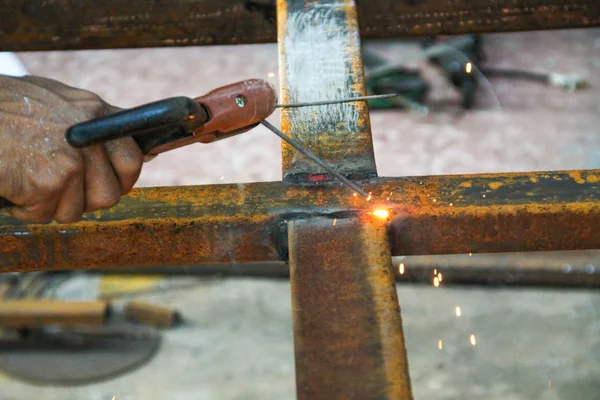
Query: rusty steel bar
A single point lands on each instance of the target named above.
(579, 268)
(320, 59)
(348, 336)
(246, 222)
(31, 25)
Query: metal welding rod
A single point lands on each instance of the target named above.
(346, 100)
(313, 157)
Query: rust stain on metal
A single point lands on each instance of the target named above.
(319, 50)
(242, 223)
(348, 330)
(30, 25)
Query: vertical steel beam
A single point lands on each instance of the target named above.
(320, 59)
(349, 342)
(347, 327)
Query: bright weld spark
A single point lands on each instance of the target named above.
(383, 214)
(451, 205)
(470, 254)
(458, 311)
(369, 197)
(468, 68)
(434, 200)
(436, 282)
(484, 196)
(440, 276)
(355, 194)
(440, 345)
(401, 268)
(221, 178)
(334, 221)
(435, 271)
(473, 341)
(271, 74)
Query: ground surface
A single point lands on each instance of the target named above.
(529, 344)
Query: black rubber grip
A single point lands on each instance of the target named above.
(5, 203)
(160, 119)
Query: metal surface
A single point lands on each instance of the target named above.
(318, 70)
(347, 327)
(298, 147)
(33, 25)
(579, 268)
(244, 222)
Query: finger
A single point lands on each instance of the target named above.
(79, 97)
(127, 159)
(71, 205)
(102, 187)
(40, 212)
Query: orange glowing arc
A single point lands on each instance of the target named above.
(381, 213)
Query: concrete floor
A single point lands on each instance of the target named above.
(530, 344)
(238, 344)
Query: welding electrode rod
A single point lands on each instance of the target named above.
(316, 159)
(348, 100)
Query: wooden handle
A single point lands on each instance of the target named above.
(20, 314)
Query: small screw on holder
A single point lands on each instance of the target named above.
(240, 101)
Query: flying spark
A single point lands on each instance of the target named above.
(334, 221)
(440, 276)
(436, 282)
(458, 311)
(401, 268)
(468, 68)
(271, 74)
(473, 341)
(440, 345)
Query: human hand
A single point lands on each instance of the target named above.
(40, 172)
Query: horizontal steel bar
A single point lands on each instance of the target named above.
(579, 268)
(31, 25)
(246, 222)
